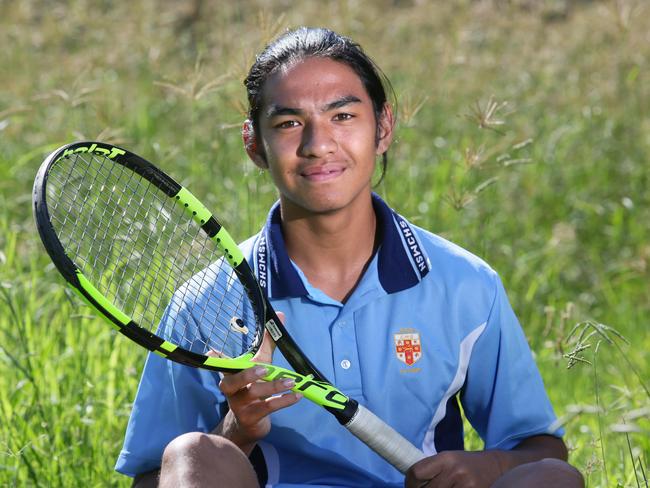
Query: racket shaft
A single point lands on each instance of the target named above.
(364, 424)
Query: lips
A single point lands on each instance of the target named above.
(322, 172)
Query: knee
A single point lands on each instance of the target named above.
(196, 448)
(180, 446)
(197, 459)
(562, 471)
(544, 473)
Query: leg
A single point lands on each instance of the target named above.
(544, 473)
(196, 460)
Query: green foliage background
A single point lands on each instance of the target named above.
(524, 136)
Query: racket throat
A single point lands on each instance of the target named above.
(348, 413)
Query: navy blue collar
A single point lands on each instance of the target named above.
(402, 262)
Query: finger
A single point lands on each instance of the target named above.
(215, 353)
(424, 471)
(432, 483)
(265, 353)
(232, 383)
(264, 390)
(256, 411)
(445, 481)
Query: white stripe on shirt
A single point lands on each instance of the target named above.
(466, 347)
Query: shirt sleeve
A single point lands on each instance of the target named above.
(504, 396)
(172, 399)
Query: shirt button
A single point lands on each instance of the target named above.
(345, 364)
(341, 323)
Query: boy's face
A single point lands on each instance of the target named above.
(317, 135)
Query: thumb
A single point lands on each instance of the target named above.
(265, 353)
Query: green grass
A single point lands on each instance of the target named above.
(524, 136)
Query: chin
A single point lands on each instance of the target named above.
(323, 207)
(314, 205)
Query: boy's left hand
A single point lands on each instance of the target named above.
(448, 469)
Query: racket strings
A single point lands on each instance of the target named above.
(101, 240)
(104, 208)
(143, 252)
(157, 269)
(140, 258)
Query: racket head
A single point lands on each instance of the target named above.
(140, 248)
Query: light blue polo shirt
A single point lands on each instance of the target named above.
(428, 325)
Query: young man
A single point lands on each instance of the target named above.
(398, 318)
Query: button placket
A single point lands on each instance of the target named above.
(346, 360)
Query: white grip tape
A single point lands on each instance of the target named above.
(384, 440)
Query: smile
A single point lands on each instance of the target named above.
(322, 173)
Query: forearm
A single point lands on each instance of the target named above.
(229, 429)
(530, 450)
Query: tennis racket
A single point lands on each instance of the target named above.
(151, 259)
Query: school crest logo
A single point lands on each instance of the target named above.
(408, 346)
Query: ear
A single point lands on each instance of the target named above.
(385, 126)
(251, 145)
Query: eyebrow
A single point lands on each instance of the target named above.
(276, 110)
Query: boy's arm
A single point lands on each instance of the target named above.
(532, 449)
(483, 468)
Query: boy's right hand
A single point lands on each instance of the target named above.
(251, 400)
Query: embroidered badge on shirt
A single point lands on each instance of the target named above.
(408, 346)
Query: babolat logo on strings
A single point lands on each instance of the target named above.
(413, 246)
(110, 152)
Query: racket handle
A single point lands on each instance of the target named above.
(384, 440)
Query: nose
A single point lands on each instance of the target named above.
(317, 140)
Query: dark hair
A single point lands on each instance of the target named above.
(304, 42)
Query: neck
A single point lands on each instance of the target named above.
(333, 249)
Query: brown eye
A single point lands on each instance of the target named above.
(287, 124)
(343, 116)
